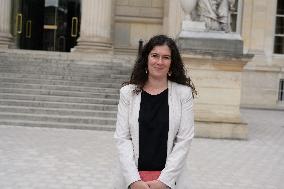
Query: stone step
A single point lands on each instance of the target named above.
(66, 99)
(110, 89)
(60, 90)
(90, 78)
(121, 76)
(63, 105)
(59, 71)
(51, 124)
(51, 59)
(51, 69)
(63, 79)
(57, 118)
(57, 111)
(59, 93)
(50, 56)
(71, 64)
(102, 84)
(65, 69)
(70, 77)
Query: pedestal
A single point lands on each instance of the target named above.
(216, 61)
(217, 106)
(217, 42)
(193, 26)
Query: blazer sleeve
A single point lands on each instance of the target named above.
(176, 159)
(123, 139)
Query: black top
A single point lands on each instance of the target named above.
(153, 131)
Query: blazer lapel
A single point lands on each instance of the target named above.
(171, 116)
(134, 115)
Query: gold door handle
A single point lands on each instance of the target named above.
(74, 27)
(29, 29)
(19, 23)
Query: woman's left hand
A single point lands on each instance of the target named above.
(156, 184)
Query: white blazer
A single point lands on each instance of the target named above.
(181, 132)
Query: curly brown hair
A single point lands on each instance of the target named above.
(178, 74)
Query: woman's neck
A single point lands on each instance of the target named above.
(154, 86)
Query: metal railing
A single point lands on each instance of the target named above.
(281, 90)
(140, 47)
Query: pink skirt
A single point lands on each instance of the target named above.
(149, 175)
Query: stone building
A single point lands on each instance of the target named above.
(116, 26)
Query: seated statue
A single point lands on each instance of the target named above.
(215, 14)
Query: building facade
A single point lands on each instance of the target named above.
(116, 26)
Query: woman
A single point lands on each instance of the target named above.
(155, 122)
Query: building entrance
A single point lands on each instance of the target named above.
(52, 25)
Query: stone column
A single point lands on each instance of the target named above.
(5, 16)
(96, 22)
(173, 16)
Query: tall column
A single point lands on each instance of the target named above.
(173, 16)
(96, 21)
(5, 16)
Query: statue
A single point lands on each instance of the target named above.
(206, 28)
(188, 6)
(215, 14)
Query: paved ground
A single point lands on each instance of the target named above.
(45, 158)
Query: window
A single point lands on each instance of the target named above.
(279, 28)
(234, 16)
(281, 90)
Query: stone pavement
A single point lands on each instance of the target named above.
(46, 158)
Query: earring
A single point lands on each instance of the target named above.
(146, 71)
(169, 73)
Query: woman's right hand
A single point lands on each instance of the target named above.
(139, 185)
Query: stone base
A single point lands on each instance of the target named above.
(220, 130)
(126, 51)
(217, 105)
(207, 42)
(188, 25)
(252, 94)
(5, 40)
(93, 46)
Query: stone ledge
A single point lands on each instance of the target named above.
(277, 107)
(201, 54)
(220, 130)
(264, 68)
(211, 45)
(136, 19)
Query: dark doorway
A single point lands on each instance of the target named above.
(52, 25)
(32, 21)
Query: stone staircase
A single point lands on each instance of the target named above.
(60, 90)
